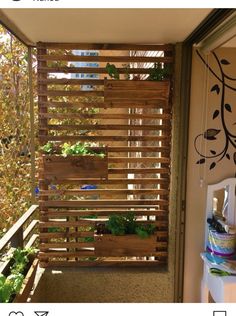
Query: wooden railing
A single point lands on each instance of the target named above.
(21, 234)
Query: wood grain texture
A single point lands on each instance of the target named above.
(118, 59)
(127, 245)
(75, 167)
(133, 118)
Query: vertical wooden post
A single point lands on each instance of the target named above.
(32, 129)
(43, 123)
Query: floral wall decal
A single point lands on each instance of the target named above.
(223, 82)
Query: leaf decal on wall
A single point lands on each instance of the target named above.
(228, 156)
(215, 88)
(228, 107)
(212, 165)
(213, 152)
(235, 158)
(211, 133)
(225, 62)
(201, 161)
(216, 113)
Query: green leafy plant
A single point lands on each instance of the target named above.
(158, 72)
(126, 224)
(112, 71)
(68, 149)
(48, 148)
(11, 285)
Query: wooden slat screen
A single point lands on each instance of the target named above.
(131, 119)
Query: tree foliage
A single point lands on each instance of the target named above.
(15, 165)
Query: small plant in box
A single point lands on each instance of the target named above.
(11, 285)
(124, 235)
(126, 224)
(79, 160)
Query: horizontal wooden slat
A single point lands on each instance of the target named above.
(97, 127)
(127, 59)
(150, 104)
(64, 254)
(138, 170)
(155, 149)
(69, 245)
(65, 81)
(72, 245)
(103, 138)
(103, 191)
(151, 149)
(89, 70)
(84, 253)
(58, 93)
(106, 46)
(112, 171)
(145, 160)
(48, 179)
(81, 234)
(78, 213)
(104, 203)
(90, 223)
(104, 116)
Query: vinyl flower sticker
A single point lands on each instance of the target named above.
(224, 110)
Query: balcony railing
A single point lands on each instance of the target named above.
(22, 234)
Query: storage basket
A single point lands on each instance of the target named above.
(221, 244)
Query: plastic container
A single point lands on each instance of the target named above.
(221, 244)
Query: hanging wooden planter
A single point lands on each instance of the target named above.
(138, 90)
(108, 245)
(79, 167)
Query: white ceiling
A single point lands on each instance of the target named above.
(144, 26)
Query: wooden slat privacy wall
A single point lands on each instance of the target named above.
(131, 121)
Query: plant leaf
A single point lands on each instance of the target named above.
(215, 88)
(213, 152)
(212, 165)
(201, 161)
(228, 156)
(216, 113)
(228, 107)
(225, 62)
(211, 133)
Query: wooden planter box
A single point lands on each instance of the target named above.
(28, 283)
(128, 245)
(82, 167)
(136, 90)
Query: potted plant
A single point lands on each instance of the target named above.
(123, 235)
(17, 284)
(74, 161)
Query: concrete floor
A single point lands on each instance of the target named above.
(103, 285)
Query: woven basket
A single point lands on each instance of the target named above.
(221, 244)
